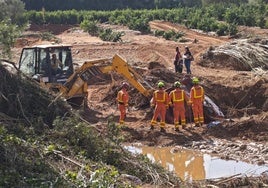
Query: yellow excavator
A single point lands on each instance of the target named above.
(72, 83)
(77, 84)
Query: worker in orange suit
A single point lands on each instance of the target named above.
(159, 101)
(177, 99)
(197, 97)
(122, 99)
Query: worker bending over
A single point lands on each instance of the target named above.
(197, 97)
(160, 102)
(177, 99)
(122, 99)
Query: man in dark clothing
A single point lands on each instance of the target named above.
(178, 63)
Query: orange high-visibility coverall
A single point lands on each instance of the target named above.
(197, 97)
(122, 99)
(160, 100)
(177, 98)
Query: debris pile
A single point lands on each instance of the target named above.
(24, 100)
(240, 55)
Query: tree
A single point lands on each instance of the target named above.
(238, 2)
(8, 34)
(11, 23)
(12, 9)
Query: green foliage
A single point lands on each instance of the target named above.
(246, 14)
(104, 177)
(169, 35)
(159, 33)
(68, 152)
(11, 23)
(72, 176)
(12, 10)
(114, 132)
(204, 18)
(8, 35)
(47, 36)
(140, 24)
(207, 24)
(105, 34)
(108, 4)
(109, 35)
(90, 27)
(21, 164)
(238, 2)
(222, 29)
(29, 102)
(232, 29)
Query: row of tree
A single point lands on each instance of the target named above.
(52, 5)
(221, 18)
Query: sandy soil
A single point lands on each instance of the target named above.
(240, 127)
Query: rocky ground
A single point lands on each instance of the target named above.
(241, 94)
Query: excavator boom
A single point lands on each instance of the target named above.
(77, 84)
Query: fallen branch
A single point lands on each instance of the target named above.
(69, 159)
(212, 186)
(6, 118)
(55, 100)
(2, 95)
(10, 62)
(89, 124)
(27, 120)
(228, 179)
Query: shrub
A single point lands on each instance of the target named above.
(109, 35)
(222, 29)
(90, 27)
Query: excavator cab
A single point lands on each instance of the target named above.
(36, 62)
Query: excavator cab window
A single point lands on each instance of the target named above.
(27, 62)
(36, 62)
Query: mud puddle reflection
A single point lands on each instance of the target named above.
(191, 165)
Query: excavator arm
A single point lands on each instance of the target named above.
(77, 84)
(120, 66)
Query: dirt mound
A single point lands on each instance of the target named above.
(55, 29)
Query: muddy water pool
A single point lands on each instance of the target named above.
(192, 165)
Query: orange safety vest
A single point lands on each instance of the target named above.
(179, 97)
(122, 97)
(198, 92)
(159, 98)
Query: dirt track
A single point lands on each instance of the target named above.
(140, 50)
